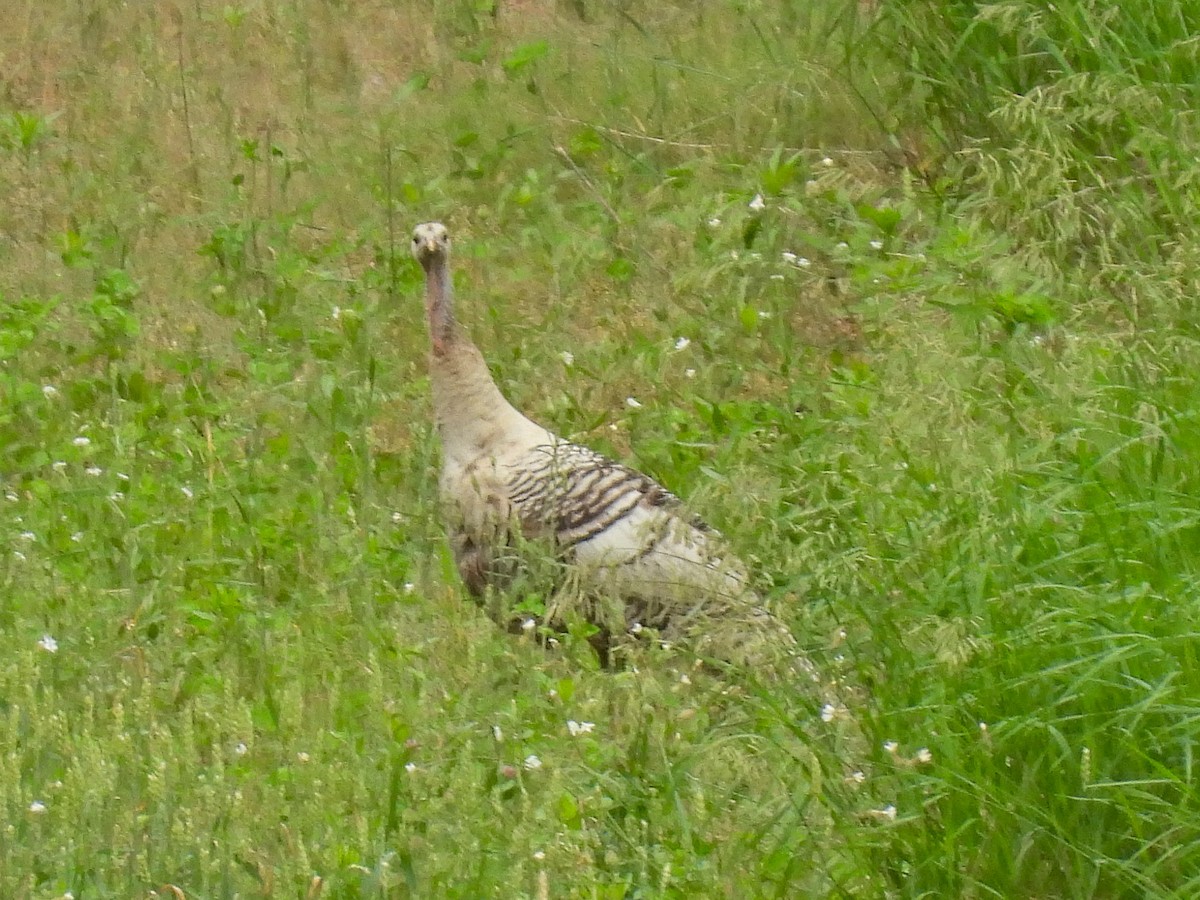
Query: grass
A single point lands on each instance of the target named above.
(938, 389)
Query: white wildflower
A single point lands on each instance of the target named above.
(302, 757)
(803, 262)
(335, 313)
(763, 314)
(891, 746)
(77, 537)
(924, 755)
(876, 245)
(409, 587)
(734, 255)
(683, 679)
(121, 476)
(49, 391)
(888, 813)
(116, 496)
(18, 555)
(827, 161)
(841, 245)
(689, 373)
(577, 728)
(187, 492)
(93, 471)
(81, 441)
(529, 625)
(27, 536)
(532, 762)
(632, 403)
(682, 343)
(48, 643)
(567, 357)
(856, 777)
(828, 712)
(59, 465)
(758, 204)
(37, 807)
(714, 222)
(789, 256)
(776, 277)
(497, 733)
(636, 628)
(410, 767)
(539, 855)
(241, 749)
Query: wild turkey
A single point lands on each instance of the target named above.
(630, 556)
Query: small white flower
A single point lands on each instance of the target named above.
(27, 536)
(17, 554)
(121, 476)
(683, 679)
(241, 749)
(303, 757)
(94, 471)
(827, 162)
(529, 625)
(734, 255)
(335, 313)
(116, 496)
(841, 245)
(891, 746)
(876, 245)
(689, 373)
(397, 518)
(539, 855)
(632, 403)
(567, 357)
(59, 465)
(48, 643)
(857, 777)
(828, 712)
(187, 492)
(888, 812)
(714, 222)
(636, 628)
(81, 441)
(49, 390)
(37, 807)
(77, 537)
(410, 767)
(532, 762)
(409, 587)
(763, 314)
(983, 727)
(682, 343)
(789, 257)
(577, 728)
(777, 277)
(497, 733)
(758, 203)
(803, 262)
(924, 755)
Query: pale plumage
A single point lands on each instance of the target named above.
(630, 555)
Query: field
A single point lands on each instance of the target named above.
(902, 296)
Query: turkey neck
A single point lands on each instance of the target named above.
(471, 412)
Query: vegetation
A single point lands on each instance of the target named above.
(901, 295)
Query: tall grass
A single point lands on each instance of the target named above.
(950, 421)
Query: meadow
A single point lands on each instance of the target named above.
(900, 295)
